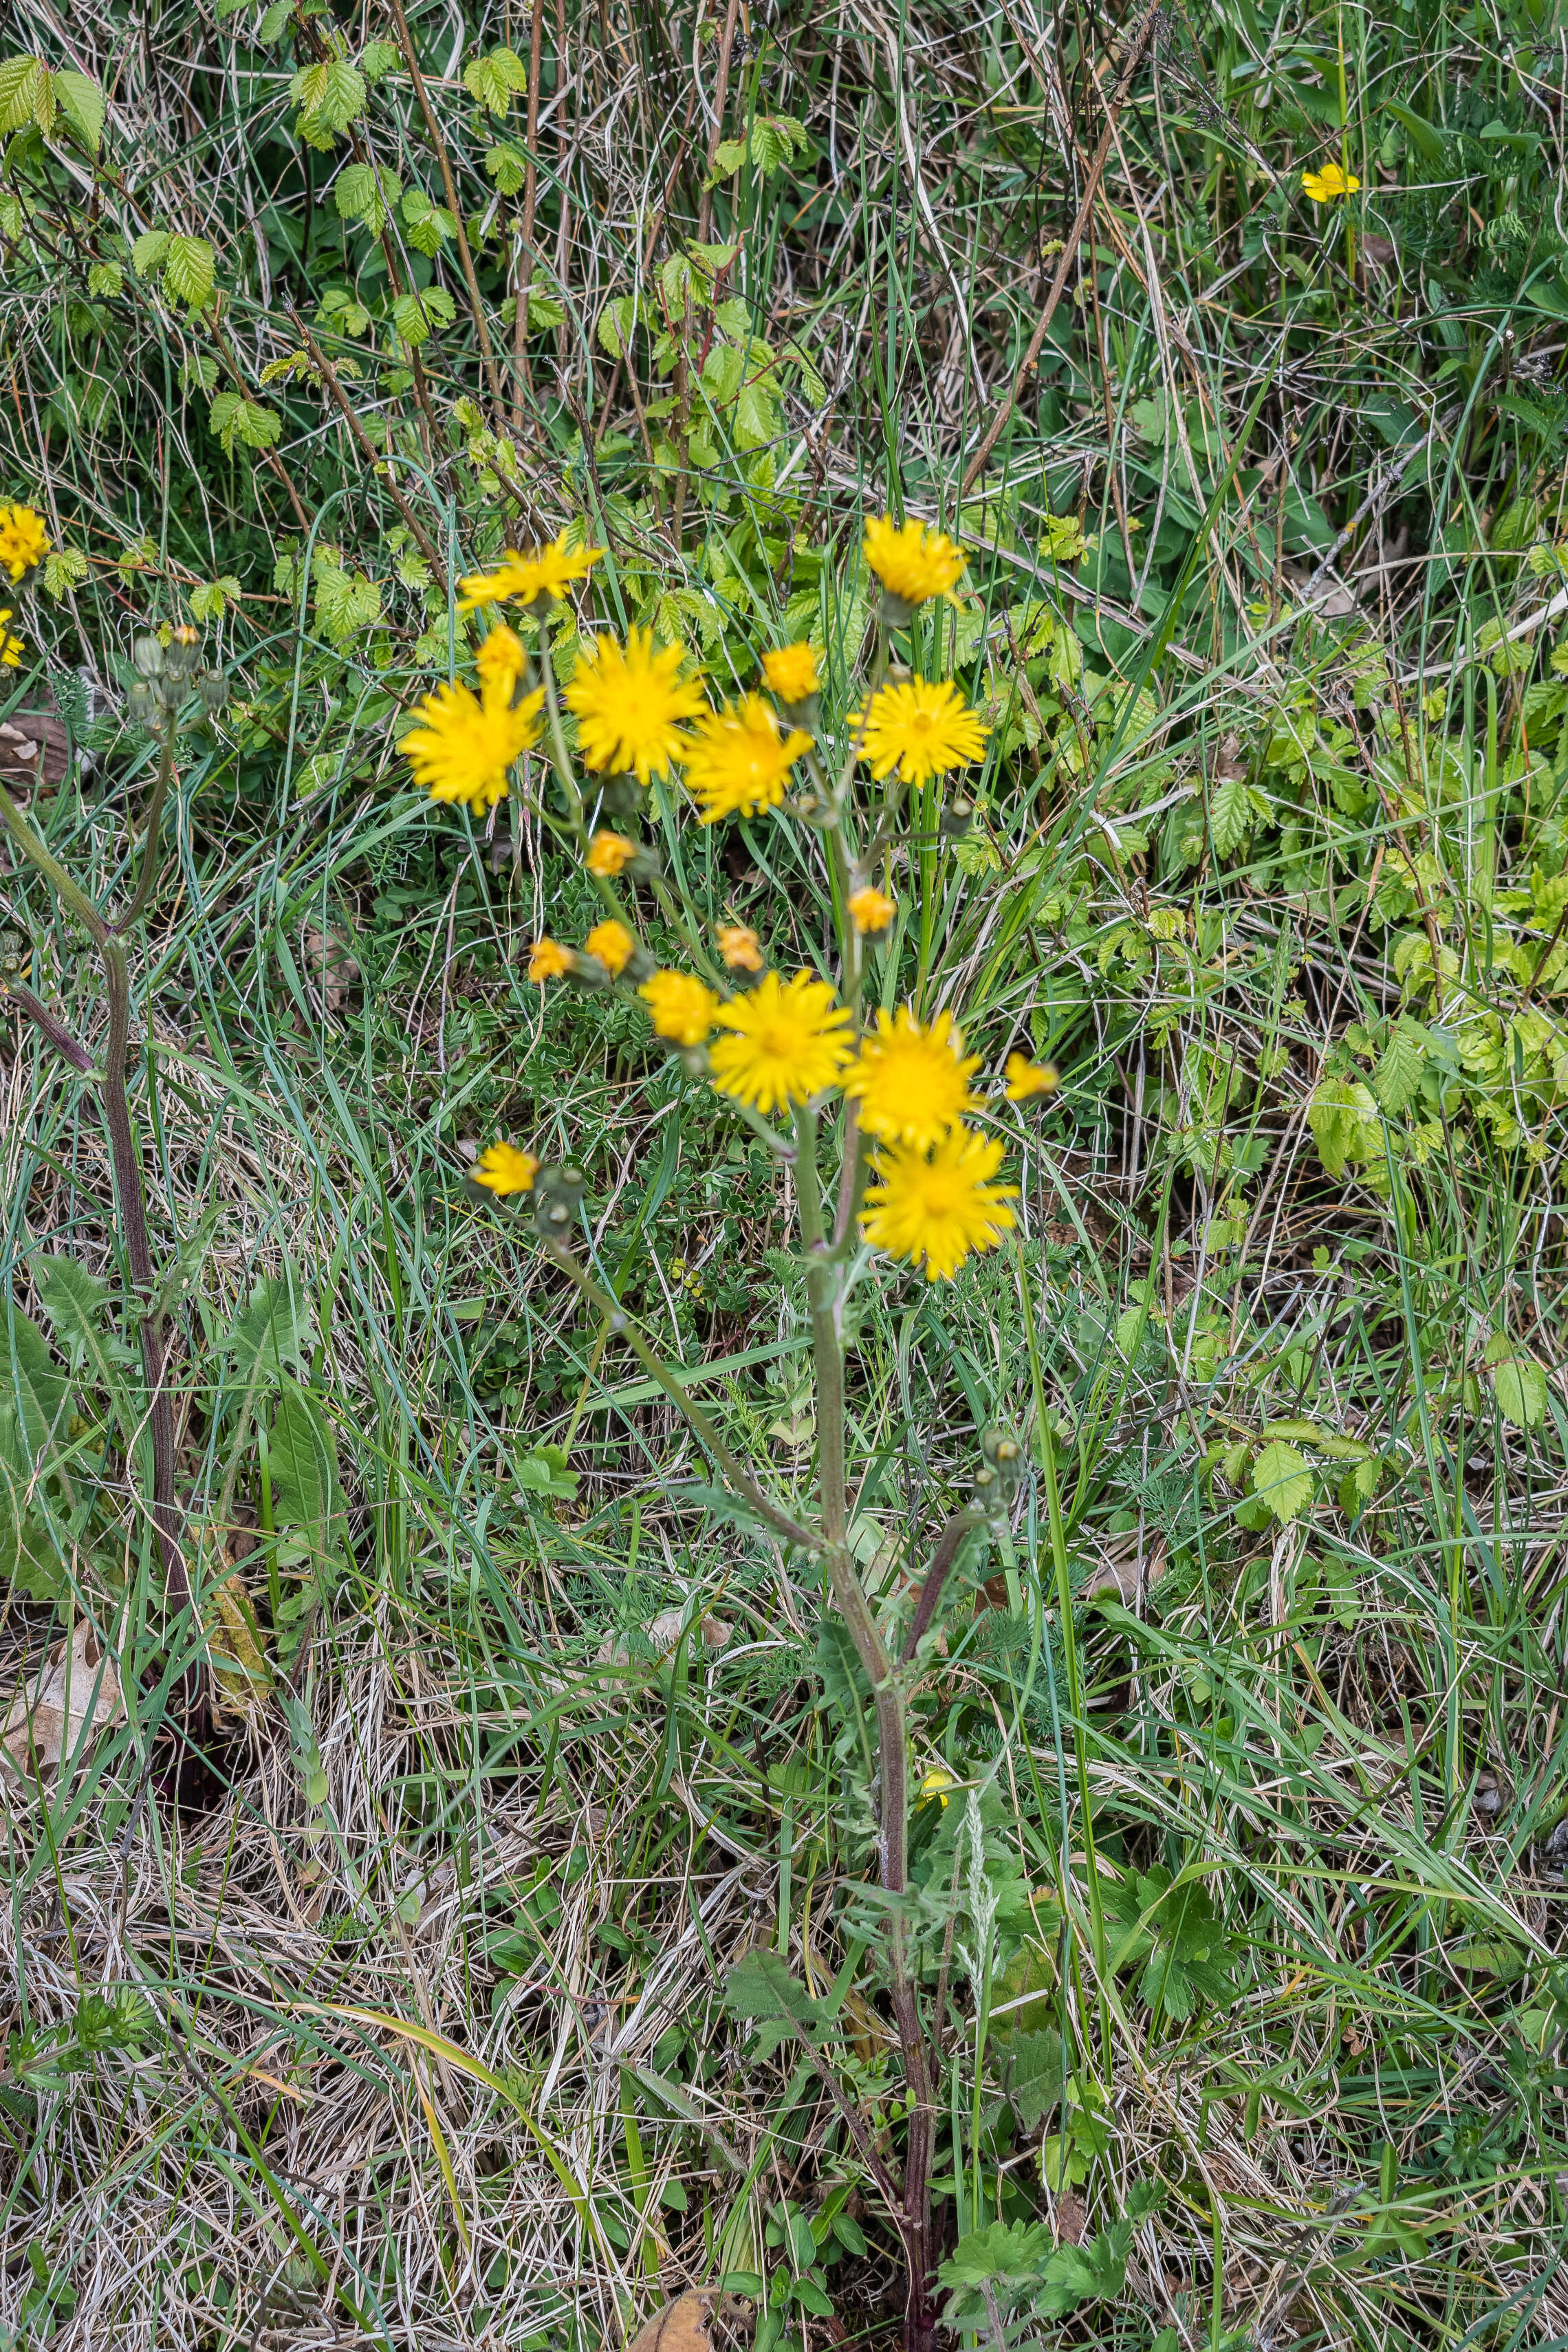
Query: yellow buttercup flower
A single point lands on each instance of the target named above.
(610, 853)
(936, 1207)
(1327, 186)
(921, 728)
(912, 1083)
(500, 660)
(630, 703)
(936, 1783)
(738, 761)
(790, 672)
(465, 745)
(504, 1169)
(10, 646)
(1025, 1078)
(541, 571)
(870, 910)
(912, 561)
(613, 944)
(24, 540)
(740, 946)
(548, 959)
(682, 1009)
(789, 1042)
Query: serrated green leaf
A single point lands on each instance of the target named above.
(506, 166)
(1007, 2254)
(64, 569)
(76, 1304)
(1282, 1480)
(147, 253)
(728, 157)
(616, 320)
(265, 1338)
(190, 269)
(30, 1567)
(211, 598)
(304, 1465)
(274, 21)
(365, 192)
(34, 1392)
(234, 418)
(106, 279)
(19, 80)
(1230, 815)
(378, 58)
(416, 316)
(1031, 2072)
(1519, 1382)
(1396, 1081)
(329, 96)
(494, 80)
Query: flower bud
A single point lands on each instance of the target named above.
(213, 687)
(621, 796)
(141, 702)
(148, 656)
(957, 818)
(182, 653)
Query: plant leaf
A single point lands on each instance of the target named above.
(1282, 1480)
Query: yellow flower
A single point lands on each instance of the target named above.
(740, 946)
(739, 762)
(499, 662)
(613, 944)
(542, 571)
(465, 746)
(936, 1207)
(921, 728)
(629, 704)
(504, 1169)
(911, 561)
(912, 1083)
(10, 646)
(1325, 187)
(790, 672)
(24, 540)
(1025, 1078)
(682, 1010)
(936, 1784)
(870, 910)
(609, 853)
(548, 959)
(789, 1043)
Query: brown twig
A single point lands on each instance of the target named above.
(329, 376)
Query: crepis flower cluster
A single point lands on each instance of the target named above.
(774, 1046)
(24, 543)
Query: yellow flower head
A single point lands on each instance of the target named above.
(1025, 1078)
(464, 746)
(1327, 186)
(609, 853)
(504, 1169)
(499, 661)
(870, 910)
(788, 1044)
(548, 959)
(935, 1207)
(682, 1010)
(790, 672)
(630, 703)
(912, 1084)
(10, 646)
(613, 944)
(921, 728)
(23, 541)
(738, 761)
(542, 571)
(912, 561)
(936, 1783)
(740, 946)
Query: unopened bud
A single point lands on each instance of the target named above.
(148, 656)
(957, 818)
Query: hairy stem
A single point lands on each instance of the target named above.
(154, 823)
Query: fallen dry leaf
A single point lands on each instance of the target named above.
(75, 1694)
(330, 965)
(661, 1636)
(1121, 1572)
(680, 2326)
(239, 1661)
(1071, 2218)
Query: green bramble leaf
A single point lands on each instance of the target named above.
(1282, 1480)
(1230, 816)
(416, 316)
(329, 96)
(507, 167)
(494, 80)
(212, 598)
(273, 23)
(64, 569)
(365, 191)
(148, 252)
(106, 279)
(82, 104)
(1344, 1116)
(616, 320)
(234, 418)
(20, 82)
(378, 58)
(190, 269)
(728, 157)
(1396, 1081)
(1009, 2254)
(1519, 1382)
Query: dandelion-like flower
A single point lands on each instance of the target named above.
(548, 959)
(912, 1083)
(1327, 186)
(912, 561)
(738, 760)
(466, 742)
(629, 704)
(10, 646)
(921, 728)
(504, 1169)
(542, 571)
(613, 944)
(610, 853)
(24, 540)
(740, 946)
(788, 1042)
(935, 1207)
(499, 661)
(682, 1010)
(870, 910)
(1025, 1078)
(790, 672)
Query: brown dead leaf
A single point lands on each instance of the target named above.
(615, 1649)
(330, 967)
(1071, 2218)
(1231, 765)
(1122, 1573)
(681, 2326)
(75, 1694)
(240, 1664)
(34, 748)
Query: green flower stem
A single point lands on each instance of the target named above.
(779, 1520)
(154, 823)
(34, 851)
